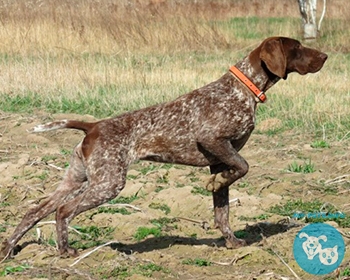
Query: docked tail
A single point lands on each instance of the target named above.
(84, 126)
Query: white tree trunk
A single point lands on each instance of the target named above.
(308, 13)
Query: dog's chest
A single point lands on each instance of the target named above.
(232, 115)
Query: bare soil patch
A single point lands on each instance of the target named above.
(31, 167)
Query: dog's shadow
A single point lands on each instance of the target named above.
(252, 234)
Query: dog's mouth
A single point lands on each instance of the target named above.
(312, 68)
(318, 63)
(311, 251)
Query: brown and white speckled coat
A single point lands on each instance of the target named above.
(206, 127)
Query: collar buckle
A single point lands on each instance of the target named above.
(261, 96)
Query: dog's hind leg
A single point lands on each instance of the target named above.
(221, 211)
(106, 179)
(73, 183)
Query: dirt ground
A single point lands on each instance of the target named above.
(31, 167)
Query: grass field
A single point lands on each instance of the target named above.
(104, 59)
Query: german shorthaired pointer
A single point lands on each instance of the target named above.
(206, 127)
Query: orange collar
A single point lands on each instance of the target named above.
(257, 92)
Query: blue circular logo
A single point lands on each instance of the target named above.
(318, 248)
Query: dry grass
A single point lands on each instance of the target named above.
(106, 57)
(106, 27)
(111, 27)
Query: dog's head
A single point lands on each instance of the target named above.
(312, 245)
(281, 56)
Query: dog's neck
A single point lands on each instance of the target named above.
(257, 72)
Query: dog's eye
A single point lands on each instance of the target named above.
(297, 53)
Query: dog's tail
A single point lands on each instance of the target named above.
(84, 126)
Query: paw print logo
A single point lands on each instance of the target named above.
(319, 248)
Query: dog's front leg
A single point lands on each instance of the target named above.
(221, 220)
(233, 166)
(221, 211)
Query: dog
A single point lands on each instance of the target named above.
(206, 127)
(312, 245)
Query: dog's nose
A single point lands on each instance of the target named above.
(323, 56)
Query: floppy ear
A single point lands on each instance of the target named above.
(303, 234)
(323, 237)
(272, 54)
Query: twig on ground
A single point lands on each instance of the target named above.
(56, 167)
(121, 205)
(233, 261)
(204, 224)
(337, 180)
(290, 269)
(90, 252)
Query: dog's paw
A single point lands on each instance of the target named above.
(213, 186)
(216, 182)
(68, 252)
(235, 243)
